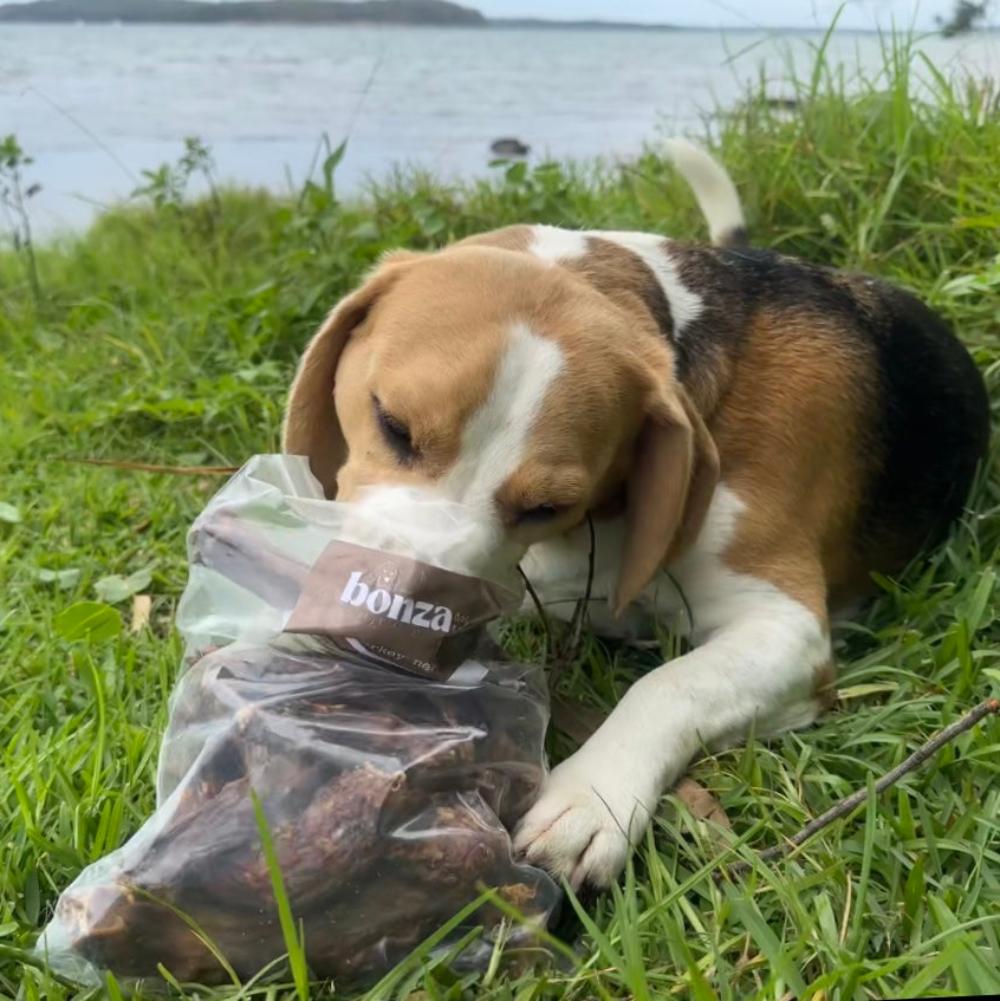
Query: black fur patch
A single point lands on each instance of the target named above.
(933, 427)
(735, 237)
(930, 425)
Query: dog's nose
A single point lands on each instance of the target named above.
(424, 524)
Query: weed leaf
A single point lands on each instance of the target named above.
(89, 621)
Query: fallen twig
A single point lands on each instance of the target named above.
(557, 659)
(572, 649)
(152, 467)
(567, 653)
(540, 609)
(849, 803)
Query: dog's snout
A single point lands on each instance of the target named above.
(426, 524)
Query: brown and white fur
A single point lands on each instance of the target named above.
(751, 435)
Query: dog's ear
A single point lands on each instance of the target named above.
(673, 475)
(311, 427)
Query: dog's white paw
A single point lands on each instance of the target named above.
(585, 822)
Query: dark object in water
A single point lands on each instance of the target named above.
(509, 146)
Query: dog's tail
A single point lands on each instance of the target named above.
(714, 190)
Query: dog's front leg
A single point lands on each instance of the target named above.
(760, 668)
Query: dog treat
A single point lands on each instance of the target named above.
(388, 761)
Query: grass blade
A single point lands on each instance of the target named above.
(293, 943)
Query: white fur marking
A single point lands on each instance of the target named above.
(756, 665)
(550, 243)
(712, 186)
(653, 251)
(495, 440)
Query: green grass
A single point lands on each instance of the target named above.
(168, 335)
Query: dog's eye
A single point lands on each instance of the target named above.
(538, 515)
(395, 432)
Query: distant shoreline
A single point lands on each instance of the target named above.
(396, 13)
(490, 24)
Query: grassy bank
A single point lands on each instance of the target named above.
(167, 334)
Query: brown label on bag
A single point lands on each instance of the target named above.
(390, 608)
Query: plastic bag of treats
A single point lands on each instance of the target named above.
(337, 666)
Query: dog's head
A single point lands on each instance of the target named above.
(514, 386)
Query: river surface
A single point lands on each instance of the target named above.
(96, 104)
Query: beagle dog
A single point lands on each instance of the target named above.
(749, 433)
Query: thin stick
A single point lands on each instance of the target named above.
(151, 467)
(583, 606)
(540, 609)
(558, 660)
(571, 650)
(846, 805)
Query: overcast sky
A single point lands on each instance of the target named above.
(728, 13)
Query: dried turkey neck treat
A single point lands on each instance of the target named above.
(440, 735)
(335, 667)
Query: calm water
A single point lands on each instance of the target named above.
(95, 104)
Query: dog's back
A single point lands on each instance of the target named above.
(919, 400)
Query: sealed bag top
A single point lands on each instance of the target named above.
(272, 559)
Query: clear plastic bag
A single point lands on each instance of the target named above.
(339, 668)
